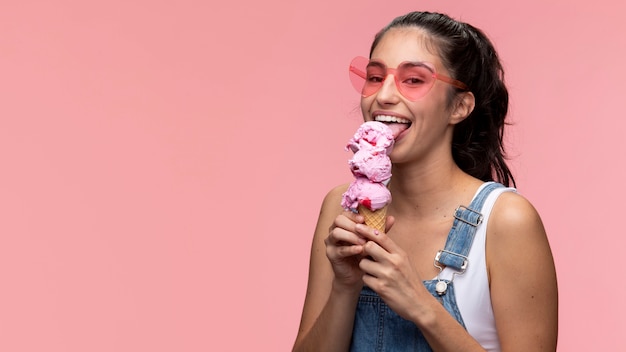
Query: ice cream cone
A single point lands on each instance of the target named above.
(374, 218)
(371, 167)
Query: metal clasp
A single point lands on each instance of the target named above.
(463, 266)
(442, 286)
(479, 220)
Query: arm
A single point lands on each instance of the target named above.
(522, 277)
(333, 289)
(522, 283)
(392, 275)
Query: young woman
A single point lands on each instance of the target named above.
(464, 264)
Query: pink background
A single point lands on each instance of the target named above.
(163, 162)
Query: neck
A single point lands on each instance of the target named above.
(433, 190)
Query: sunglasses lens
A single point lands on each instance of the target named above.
(414, 80)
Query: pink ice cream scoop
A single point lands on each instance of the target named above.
(375, 166)
(372, 135)
(370, 164)
(372, 195)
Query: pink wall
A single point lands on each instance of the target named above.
(163, 162)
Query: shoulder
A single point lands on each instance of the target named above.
(331, 207)
(337, 191)
(332, 200)
(522, 276)
(513, 213)
(516, 237)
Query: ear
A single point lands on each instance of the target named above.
(463, 107)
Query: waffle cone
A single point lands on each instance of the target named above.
(374, 218)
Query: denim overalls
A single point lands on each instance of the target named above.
(378, 328)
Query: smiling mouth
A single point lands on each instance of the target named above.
(396, 124)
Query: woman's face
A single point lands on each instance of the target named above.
(421, 128)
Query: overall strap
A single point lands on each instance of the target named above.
(461, 235)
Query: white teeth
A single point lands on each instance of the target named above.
(387, 118)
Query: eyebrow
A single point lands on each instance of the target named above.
(377, 63)
(418, 63)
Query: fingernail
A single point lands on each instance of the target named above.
(376, 232)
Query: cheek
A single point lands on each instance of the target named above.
(366, 104)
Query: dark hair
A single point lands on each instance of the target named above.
(477, 144)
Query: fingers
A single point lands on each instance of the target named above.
(375, 252)
(380, 238)
(355, 217)
(343, 229)
(344, 251)
(342, 240)
(380, 264)
(339, 236)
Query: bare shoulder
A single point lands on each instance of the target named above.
(331, 206)
(512, 213)
(515, 233)
(333, 197)
(522, 276)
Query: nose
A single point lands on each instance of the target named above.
(388, 92)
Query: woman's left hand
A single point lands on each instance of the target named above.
(389, 272)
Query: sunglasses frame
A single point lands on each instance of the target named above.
(353, 69)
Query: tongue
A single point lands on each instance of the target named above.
(397, 128)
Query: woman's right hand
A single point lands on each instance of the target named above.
(335, 278)
(344, 249)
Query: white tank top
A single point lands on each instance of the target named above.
(472, 288)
